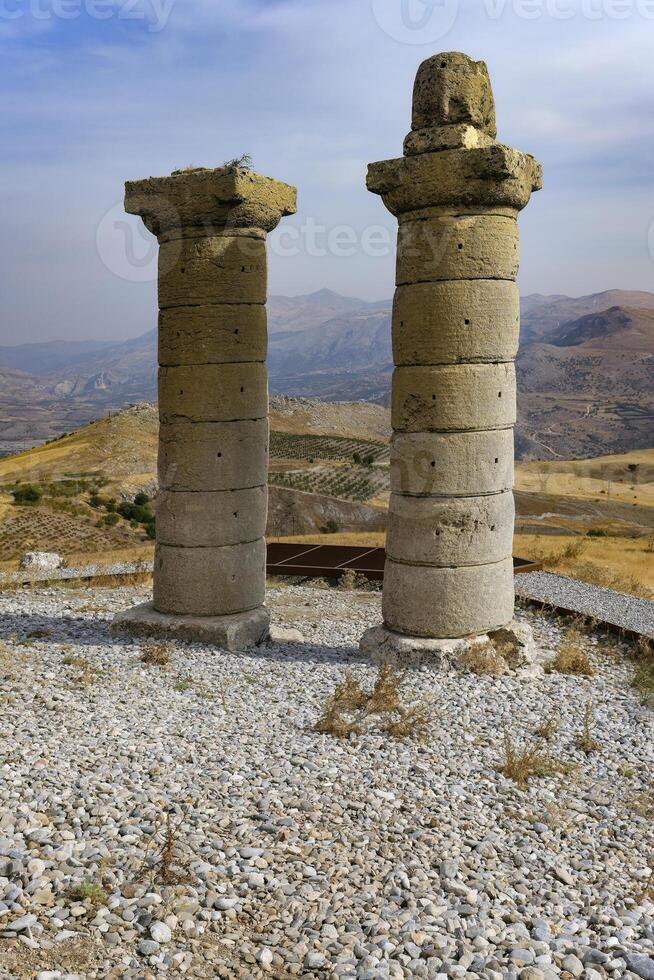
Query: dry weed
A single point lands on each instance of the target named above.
(483, 658)
(643, 679)
(351, 709)
(351, 580)
(571, 658)
(156, 654)
(585, 740)
(549, 727)
(158, 865)
(522, 762)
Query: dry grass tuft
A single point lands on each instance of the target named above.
(351, 580)
(585, 740)
(156, 654)
(352, 710)
(571, 658)
(159, 860)
(483, 658)
(643, 680)
(522, 762)
(643, 804)
(549, 727)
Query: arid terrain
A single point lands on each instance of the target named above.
(585, 371)
(329, 474)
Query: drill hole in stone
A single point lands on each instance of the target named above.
(433, 398)
(497, 459)
(219, 456)
(236, 331)
(492, 527)
(467, 323)
(499, 394)
(433, 462)
(235, 513)
(242, 390)
(460, 246)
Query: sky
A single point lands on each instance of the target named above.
(96, 92)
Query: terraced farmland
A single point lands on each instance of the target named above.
(284, 445)
(348, 482)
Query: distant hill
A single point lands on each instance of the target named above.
(123, 446)
(618, 328)
(540, 315)
(584, 370)
(291, 314)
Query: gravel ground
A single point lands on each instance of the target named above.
(188, 819)
(617, 608)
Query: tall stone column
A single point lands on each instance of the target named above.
(210, 556)
(457, 193)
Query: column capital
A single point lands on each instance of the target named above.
(451, 157)
(204, 202)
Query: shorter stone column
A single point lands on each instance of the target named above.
(210, 557)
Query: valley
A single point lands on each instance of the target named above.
(585, 371)
(328, 476)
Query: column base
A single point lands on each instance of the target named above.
(231, 633)
(515, 640)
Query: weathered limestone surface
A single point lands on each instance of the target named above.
(456, 321)
(452, 464)
(456, 193)
(471, 599)
(454, 247)
(212, 334)
(201, 519)
(452, 397)
(451, 530)
(231, 578)
(213, 270)
(213, 455)
(213, 392)
(210, 558)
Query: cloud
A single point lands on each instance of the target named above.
(313, 91)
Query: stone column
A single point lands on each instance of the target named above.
(210, 557)
(457, 193)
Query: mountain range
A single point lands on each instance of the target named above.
(585, 370)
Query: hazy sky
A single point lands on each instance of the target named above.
(96, 92)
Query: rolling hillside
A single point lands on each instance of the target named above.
(585, 371)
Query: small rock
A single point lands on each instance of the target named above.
(160, 932)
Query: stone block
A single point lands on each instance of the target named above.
(213, 455)
(462, 464)
(453, 398)
(206, 271)
(488, 177)
(211, 519)
(188, 202)
(452, 89)
(456, 322)
(209, 581)
(457, 247)
(447, 602)
(450, 531)
(233, 633)
(213, 392)
(212, 334)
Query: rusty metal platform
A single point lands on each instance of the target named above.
(331, 560)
